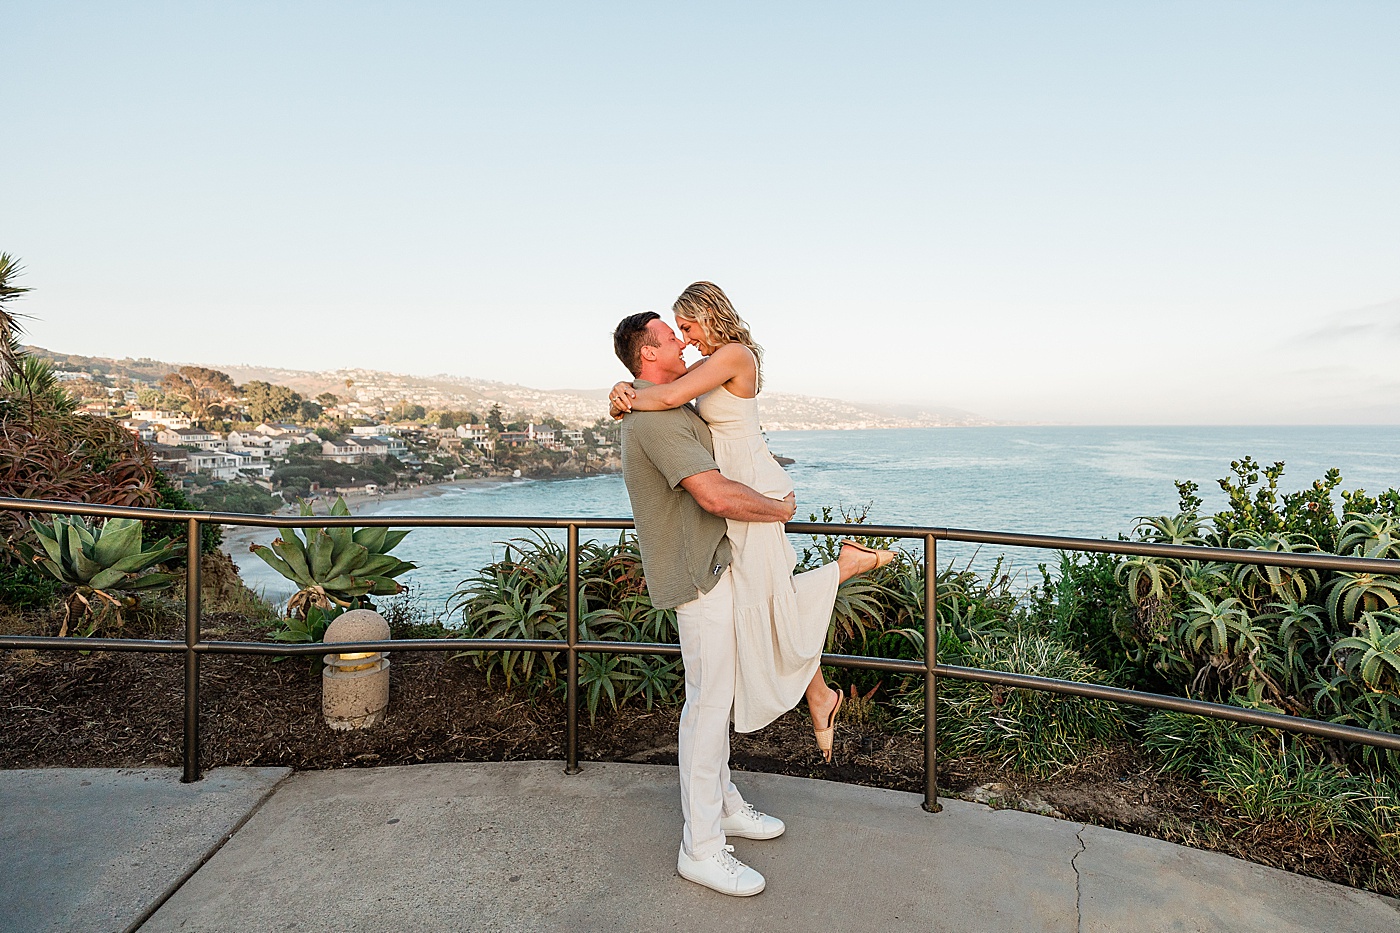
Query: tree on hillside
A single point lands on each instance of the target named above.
(451, 419)
(308, 411)
(150, 398)
(493, 419)
(327, 399)
(202, 390)
(404, 411)
(268, 402)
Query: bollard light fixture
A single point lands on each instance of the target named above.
(355, 685)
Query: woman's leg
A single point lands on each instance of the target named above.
(821, 699)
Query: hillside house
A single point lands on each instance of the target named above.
(278, 428)
(169, 419)
(145, 430)
(169, 459)
(214, 463)
(191, 437)
(358, 449)
(251, 465)
(478, 434)
(269, 445)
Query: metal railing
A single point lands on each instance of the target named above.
(194, 648)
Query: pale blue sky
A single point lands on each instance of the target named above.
(1091, 212)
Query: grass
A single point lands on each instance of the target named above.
(1030, 730)
(1289, 783)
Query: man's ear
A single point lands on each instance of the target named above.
(649, 353)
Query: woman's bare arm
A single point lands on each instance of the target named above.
(724, 364)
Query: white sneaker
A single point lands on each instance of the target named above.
(721, 872)
(749, 823)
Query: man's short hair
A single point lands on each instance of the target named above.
(631, 335)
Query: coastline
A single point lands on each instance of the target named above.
(238, 538)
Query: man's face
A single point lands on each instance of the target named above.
(668, 357)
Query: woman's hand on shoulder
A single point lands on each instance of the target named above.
(620, 399)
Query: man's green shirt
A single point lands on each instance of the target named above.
(684, 548)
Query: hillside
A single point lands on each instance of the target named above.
(781, 411)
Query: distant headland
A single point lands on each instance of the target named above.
(376, 393)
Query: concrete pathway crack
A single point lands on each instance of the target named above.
(1073, 863)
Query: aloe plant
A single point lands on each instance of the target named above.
(1374, 653)
(104, 564)
(340, 566)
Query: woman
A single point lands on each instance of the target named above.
(781, 618)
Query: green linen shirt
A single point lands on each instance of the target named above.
(684, 548)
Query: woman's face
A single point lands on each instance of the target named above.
(694, 335)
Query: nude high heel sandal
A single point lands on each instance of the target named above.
(881, 557)
(826, 736)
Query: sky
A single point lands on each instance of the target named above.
(1093, 213)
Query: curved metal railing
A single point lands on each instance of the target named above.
(194, 648)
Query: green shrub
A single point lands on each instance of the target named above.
(524, 595)
(1030, 730)
(1286, 781)
(170, 496)
(237, 497)
(24, 586)
(1090, 609)
(1318, 644)
(1186, 744)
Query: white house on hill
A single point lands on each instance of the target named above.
(191, 437)
(170, 419)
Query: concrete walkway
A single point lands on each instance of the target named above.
(521, 846)
(97, 849)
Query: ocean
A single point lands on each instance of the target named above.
(1081, 481)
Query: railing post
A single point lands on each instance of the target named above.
(930, 803)
(571, 689)
(192, 614)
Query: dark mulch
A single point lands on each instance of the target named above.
(124, 710)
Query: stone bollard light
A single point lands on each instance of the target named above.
(355, 686)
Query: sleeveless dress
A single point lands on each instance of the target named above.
(781, 618)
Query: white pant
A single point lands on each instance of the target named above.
(708, 642)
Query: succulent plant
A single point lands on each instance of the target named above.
(336, 566)
(103, 563)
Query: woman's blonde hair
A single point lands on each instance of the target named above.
(707, 305)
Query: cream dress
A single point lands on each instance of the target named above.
(781, 618)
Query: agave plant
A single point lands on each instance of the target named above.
(104, 564)
(1363, 592)
(1370, 536)
(1170, 529)
(1147, 577)
(340, 566)
(1374, 653)
(1221, 628)
(1263, 581)
(1299, 637)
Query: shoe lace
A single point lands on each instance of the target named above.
(750, 813)
(728, 862)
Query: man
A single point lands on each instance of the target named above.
(680, 503)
